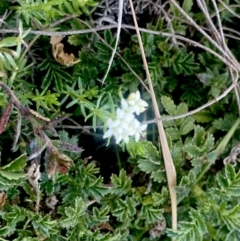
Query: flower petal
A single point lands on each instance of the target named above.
(131, 102)
(137, 136)
(118, 139)
(137, 96)
(143, 127)
(126, 138)
(107, 134)
(143, 103)
(132, 96)
(124, 104)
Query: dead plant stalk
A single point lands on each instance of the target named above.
(168, 162)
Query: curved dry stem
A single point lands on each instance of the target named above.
(84, 31)
(169, 118)
(120, 11)
(229, 8)
(219, 35)
(166, 15)
(119, 55)
(233, 61)
(231, 36)
(220, 39)
(231, 30)
(168, 162)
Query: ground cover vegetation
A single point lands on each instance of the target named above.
(119, 120)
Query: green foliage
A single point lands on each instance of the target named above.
(56, 74)
(147, 159)
(225, 123)
(109, 195)
(229, 182)
(179, 127)
(200, 144)
(46, 11)
(74, 214)
(184, 63)
(12, 174)
(122, 184)
(187, 5)
(214, 79)
(45, 99)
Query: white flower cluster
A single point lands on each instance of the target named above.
(125, 124)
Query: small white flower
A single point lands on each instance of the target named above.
(125, 123)
(126, 107)
(136, 129)
(137, 103)
(123, 136)
(124, 104)
(139, 130)
(113, 127)
(123, 117)
(133, 126)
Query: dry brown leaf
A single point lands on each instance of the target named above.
(5, 117)
(56, 40)
(2, 74)
(2, 199)
(106, 226)
(59, 54)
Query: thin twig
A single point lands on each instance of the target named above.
(119, 55)
(229, 8)
(164, 118)
(219, 35)
(120, 10)
(169, 118)
(84, 31)
(62, 20)
(234, 63)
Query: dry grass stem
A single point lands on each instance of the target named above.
(168, 162)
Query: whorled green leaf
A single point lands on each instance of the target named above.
(125, 210)
(225, 123)
(74, 213)
(12, 176)
(95, 188)
(199, 219)
(184, 63)
(151, 214)
(187, 5)
(16, 165)
(168, 105)
(229, 182)
(9, 42)
(99, 216)
(121, 184)
(173, 133)
(159, 176)
(186, 126)
(148, 166)
(202, 143)
(160, 197)
(229, 216)
(44, 225)
(17, 214)
(185, 185)
(186, 231)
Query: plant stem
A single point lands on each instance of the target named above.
(168, 162)
(222, 145)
